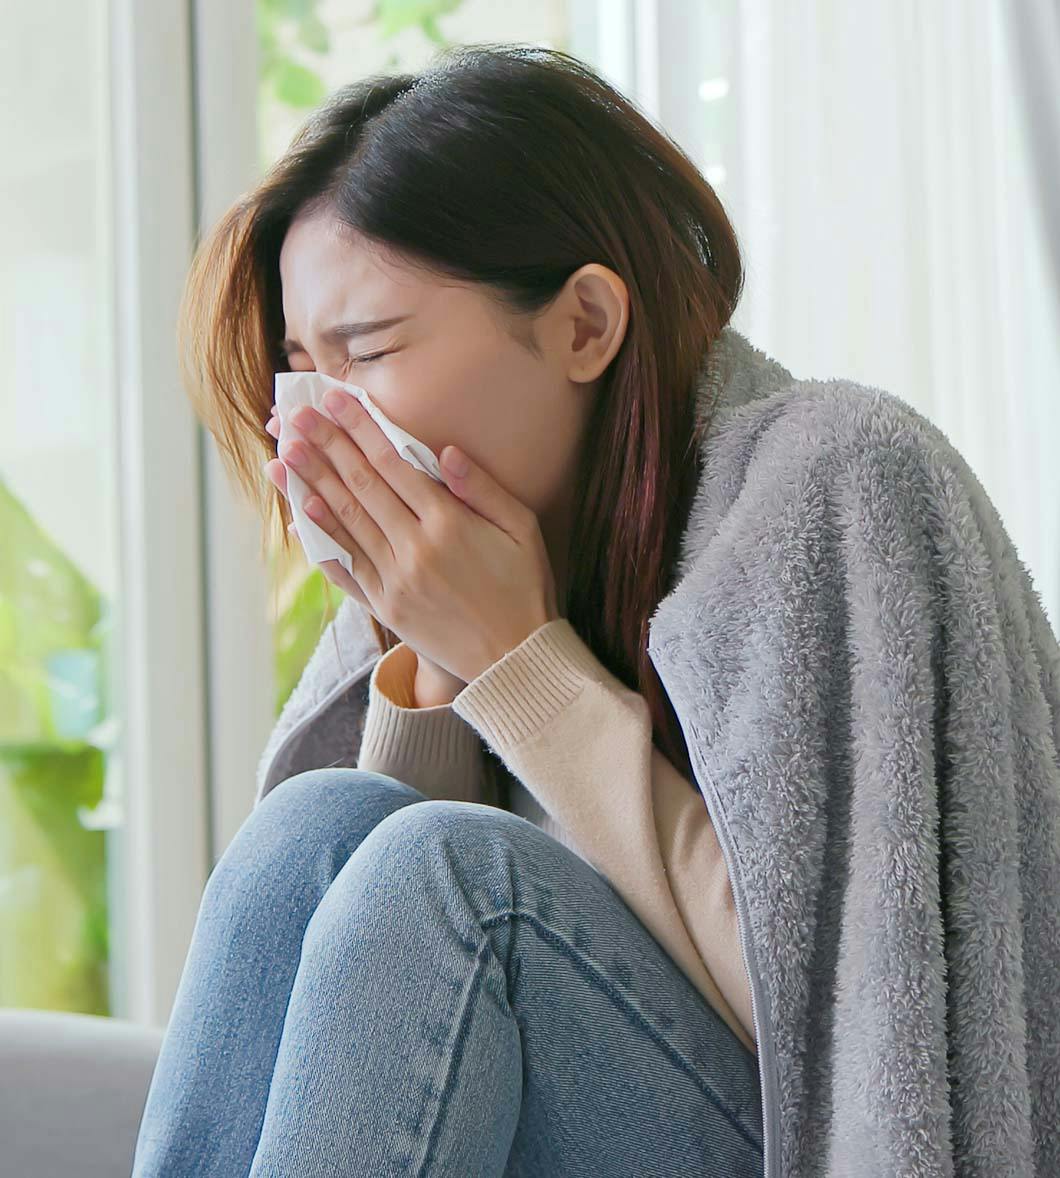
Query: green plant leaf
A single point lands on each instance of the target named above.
(299, 628)
(313, 34)
(392, 16)
(432, 31)
(289, 9)
(297, 85)
(268, 43)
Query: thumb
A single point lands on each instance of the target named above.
(480, 491)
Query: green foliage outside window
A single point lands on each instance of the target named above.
(57, 724)
(291, 30)
(53, 748)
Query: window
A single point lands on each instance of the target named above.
(59, 584)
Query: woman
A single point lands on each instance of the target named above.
(389, 974)
(442, 203)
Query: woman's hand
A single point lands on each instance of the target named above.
(277, 475)
(459, 571)
(433, 684)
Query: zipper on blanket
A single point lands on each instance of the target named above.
(765, 1046)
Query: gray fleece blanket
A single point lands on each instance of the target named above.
(870, 693)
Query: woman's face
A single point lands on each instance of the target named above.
(453, 370)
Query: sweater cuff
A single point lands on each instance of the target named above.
(395, 730)
(518, 695)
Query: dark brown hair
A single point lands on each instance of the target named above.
(510, 166)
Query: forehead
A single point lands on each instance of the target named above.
(328, 271)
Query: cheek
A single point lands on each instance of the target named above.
(475, 402)
(432, 418)
(432, 404)
(524, 466)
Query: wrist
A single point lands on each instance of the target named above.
(428, 692)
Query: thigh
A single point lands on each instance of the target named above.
(626, 1068)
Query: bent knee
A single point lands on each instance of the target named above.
(337, 785)
(310, 812)
(413, 841)
(445, 818)
(458, 851)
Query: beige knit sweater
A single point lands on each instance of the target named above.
(578, 742)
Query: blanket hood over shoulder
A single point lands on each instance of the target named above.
(870, 694)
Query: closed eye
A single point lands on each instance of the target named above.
(368, 359)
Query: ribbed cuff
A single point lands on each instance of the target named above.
(395, 733)
(519, 694)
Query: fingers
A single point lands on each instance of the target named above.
(277, 474)
(337, 575)
(276, 471)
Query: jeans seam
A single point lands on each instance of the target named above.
(455, 1056)
(587, 967)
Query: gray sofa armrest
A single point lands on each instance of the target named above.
(72, 1091)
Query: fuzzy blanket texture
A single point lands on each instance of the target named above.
(870, 692)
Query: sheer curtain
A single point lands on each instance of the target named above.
(1034, 32)
(895, 237)
(875, 163)
(881, 181)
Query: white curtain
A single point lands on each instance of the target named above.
(1034, 31)
(879, 167)
(894, 233)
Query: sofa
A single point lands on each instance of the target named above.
(72, 1091)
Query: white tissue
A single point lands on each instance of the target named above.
(308, 388)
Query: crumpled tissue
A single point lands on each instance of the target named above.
(308, 388)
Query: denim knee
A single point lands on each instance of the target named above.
(326, 791)
(467, 850)
(307, 819)
(469, 831)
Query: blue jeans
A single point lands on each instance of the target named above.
(376, 987)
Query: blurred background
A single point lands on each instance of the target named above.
(892, 171)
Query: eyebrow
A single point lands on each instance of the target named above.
(345, 331)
